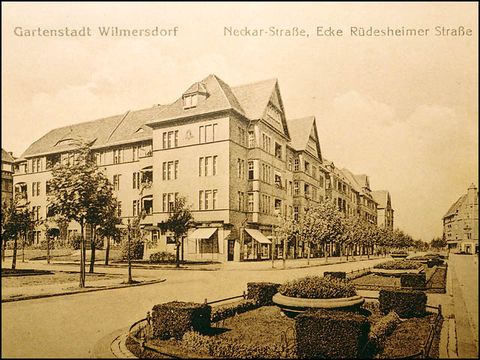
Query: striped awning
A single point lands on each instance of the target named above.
(258, 236)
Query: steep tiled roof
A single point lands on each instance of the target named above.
(381, 198)
(456, 205)
(220, 97)
(254, 97)
(6, 157)
(300, 132)
(101, 132)
(352, 180)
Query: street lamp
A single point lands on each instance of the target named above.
(128, 227)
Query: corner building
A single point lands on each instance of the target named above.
(230, 151)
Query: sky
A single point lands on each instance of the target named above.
(402, 110)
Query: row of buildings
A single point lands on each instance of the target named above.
(460, 223)
(231, 151)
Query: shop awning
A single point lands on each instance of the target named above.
(258, 236)
(203, 233)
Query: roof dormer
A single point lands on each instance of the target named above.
(194, 95)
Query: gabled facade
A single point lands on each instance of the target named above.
(384, 208)
(231, 151)
(460, 223)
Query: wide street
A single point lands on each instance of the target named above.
(465, 298)
(69, 326)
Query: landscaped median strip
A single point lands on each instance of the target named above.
(84, 290)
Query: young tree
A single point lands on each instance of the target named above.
(438, 243)
(108, 230)
(74, 191)
(320, 224)
(179, 221)
(101, 210)
(17, 221)
(286, 229)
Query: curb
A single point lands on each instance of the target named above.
(112, 346)
(114, 287)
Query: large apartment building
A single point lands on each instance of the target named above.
(384, 208)
(460, 223)
(230, 151)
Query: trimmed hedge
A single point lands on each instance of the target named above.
(262, 292)
(342, 275)
(173, 319)
(316, 287)
(398, 265)
(380, 331)
(406, 303)
(223, 312)
(331, 334)
(162, 257)
(417, 281)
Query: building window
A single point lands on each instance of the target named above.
(207, 166)
(295, 213)
(241, 169)
(307, 167)
(289, 164)
(135, 151)
(170, 170)
(251, 139)
(250, 170)
(117, 156)
(296, 165)
(190, 101)
(314, 171)
(119, 208)
(241, 201)
(266, 143)
(206, 133)
(278, 180)
(296, 188)
(307, 191)
(321, 181)
(278, 150)
(278, 206)
(250, 201)
(241, 136)
(36, 188)
(136, 180)
(116, 182)
(207, 199)
(136, 207)
(170, 139)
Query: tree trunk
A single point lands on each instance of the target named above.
(107, 250)
(23, 248)
(285, 249)
(325, 251)
(92, 248)
(177, 253)
(308, 253)
(14, 259)
(92, 255)
(4, 248)
(82, 256)
(48, 248)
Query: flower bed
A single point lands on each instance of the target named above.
(316, 287)
(398, 265)
(266, 333)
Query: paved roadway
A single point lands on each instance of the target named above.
(465, 298)
(69, 326)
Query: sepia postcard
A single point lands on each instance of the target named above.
(239, 180)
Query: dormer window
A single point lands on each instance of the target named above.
(190, 101)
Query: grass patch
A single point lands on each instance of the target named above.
(398, 265)
(56, 277)
(24, 272)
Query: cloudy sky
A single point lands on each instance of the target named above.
(402, 110)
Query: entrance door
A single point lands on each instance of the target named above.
(231, 248)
